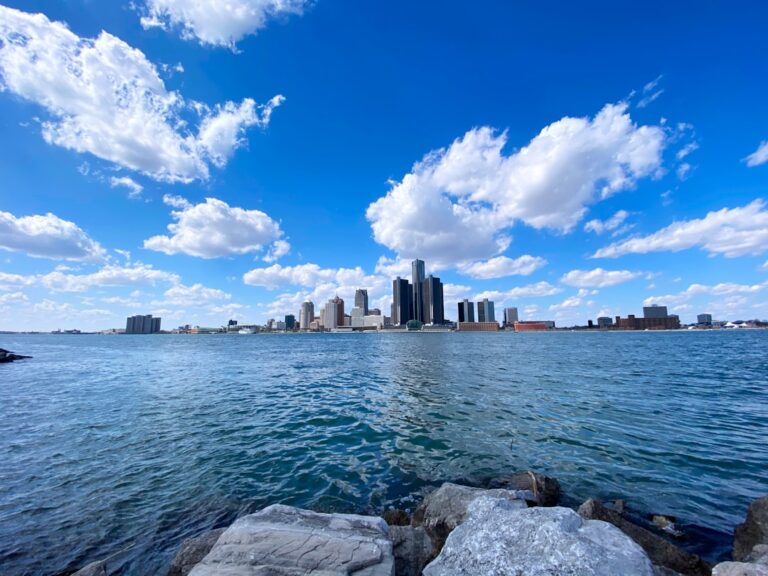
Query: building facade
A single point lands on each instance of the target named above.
(432, 294)
(485, 312)
(704, 319)
(604, 322)
(142, 325)
(402, 301)
(306, 315)
(510, 316)
(417, 280)
(661, 323)
(361, 300)
(466, 311)
(290, 322)
(654, 311)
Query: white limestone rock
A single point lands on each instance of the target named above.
(498, 538)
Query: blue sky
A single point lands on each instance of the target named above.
(178, 158)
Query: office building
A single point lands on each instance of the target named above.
(466, 311)
(432, 295)
(485, 311)
(142, 325)
(652, 323)
(417, 279)
(306, 315)
(704, 319)
(356, 317)
(329, 315)
(339, 310)
(361, 300)
(290, 322)
(654, 311)
(604, 322)
(402, 302)
(510, 316)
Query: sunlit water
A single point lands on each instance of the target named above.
(113, 441)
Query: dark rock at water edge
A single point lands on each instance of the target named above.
(396, 517)
(753, 531)
(545, 490)
(93, 569)
(192, 551)
(412, 548)
(660, 551)
(7, 356)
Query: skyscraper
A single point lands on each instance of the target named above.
(402, 301)
(432, 293)
(510, 316)
(330, 316)
(361, 300)
(290, 321)
(485, 312)
(339, 310)
(306, 315)
(417, 278)
(466, 311)
(142, 325)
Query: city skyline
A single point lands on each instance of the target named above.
(585, 184)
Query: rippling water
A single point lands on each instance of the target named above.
(107, 442)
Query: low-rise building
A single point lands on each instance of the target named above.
(477, 327)
(654, 323)
(534, 326)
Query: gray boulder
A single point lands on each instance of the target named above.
(659, 550)
(285, 541)
(446, 508)
(192, 551)
(753, 531)
(93, 569)
(545, 490)
(412, 548)
(739, 569)
(501, 539)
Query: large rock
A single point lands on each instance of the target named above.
(192, 551)
(545, 490)
(659, 550)
(7, 356)
(739, 569)
(753, 531)
(412, 549)
(285, 541)
(446, 508)
(500, 539)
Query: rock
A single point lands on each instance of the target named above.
(446, 508)
(93, 569)
(286, 541)
(6, 356)
(500, 539)
(660, 551)
(753, 531)
(664, 571)
(739, 569)
(759, 555)
(192, 551)
(545, 490)
(412, 548)
(396, 517)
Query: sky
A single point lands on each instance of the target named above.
(204, 161)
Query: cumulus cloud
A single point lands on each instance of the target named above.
(214, 22)
(134, 188)
(502, 266)
(13, 298)
(598, 278)
(759, 156)
(213, 229)
(307, 275)
(537, 290)
(731, 232)
(612, 223)
(570, 302)
(195, 295)
(110, 275)
(458, 202)
(47, 236)
(106, 98)
(724, 289)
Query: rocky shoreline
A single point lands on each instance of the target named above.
(513, 525)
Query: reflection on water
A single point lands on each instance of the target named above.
(144, 440)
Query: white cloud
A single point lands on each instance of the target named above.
(13, 298)
(502, 266)
(134, 188)
(105, 98)
(175, 201)
(683, 171)
(279, 249)
(195, 295)
(214, 22)
(537, 290)
(731, 232)
(570, 302)
(763, 267)
(600, 226)
(138, 274)
(214, 229)
(8, 280)
(721, 290)
(457, 203)
(686, 150)
(759, 156)
(307, 275)
(47, 236)
(598, 278)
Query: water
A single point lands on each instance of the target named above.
(111, 441)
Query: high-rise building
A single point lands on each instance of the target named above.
(402, 301)
(654, 311)
(357, 317)
(466, 311)
(306, 315)
(142, 325)
(604, 322)
(290, 321)
(417, 279)
(361, 300)
(704, 319)
(510, 316)
(485, 312)
(339, 310)
(330, 315)
(432, 294)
